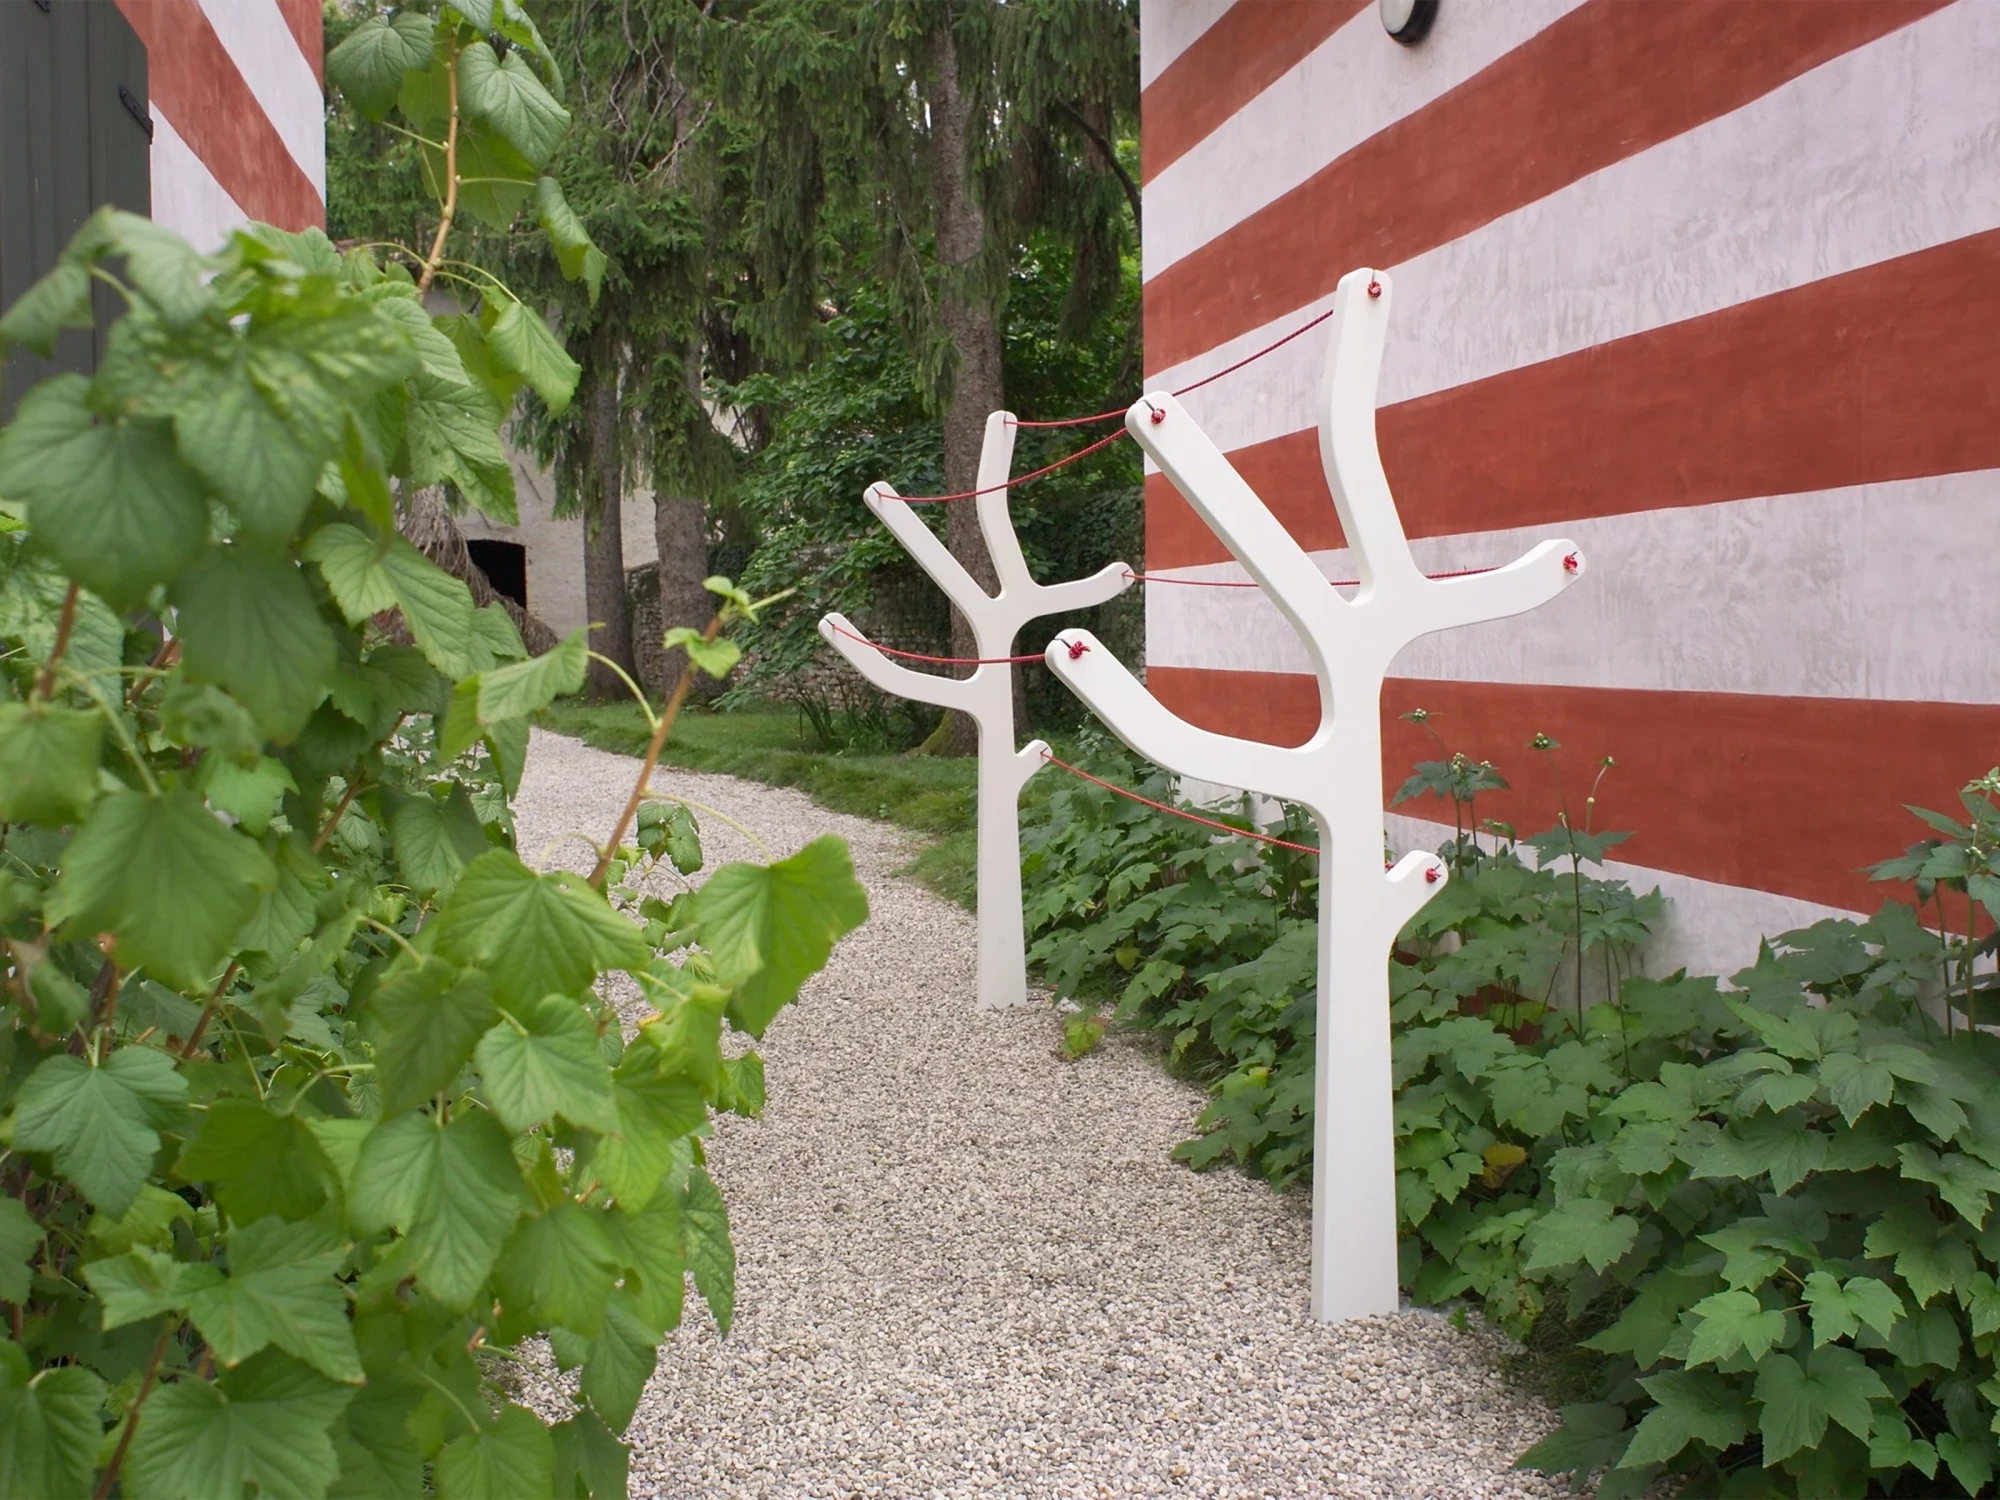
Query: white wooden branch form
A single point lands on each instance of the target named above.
(1337, 773)
(987, 696)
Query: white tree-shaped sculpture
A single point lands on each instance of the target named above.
(1336, 774)
(988, 694)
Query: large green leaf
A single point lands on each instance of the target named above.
(435, 840)
(110, 501)
(521, 342)
(1694, 1405)
(455, 1191)
(261, 1162)
(651, 1246)
(1834, 1382)
(48, 762)
(280, 1291)
(504, 93)
(1777, 1144)
(368, 66)
(454, 438)
(424, 1018)
(1838, 1310)
(101, 1124)
(513, 1459)
(560, 1265)
(170, 881)
(50, 1427)
(172, 274)
(535, 934)
(1733, 1321)
(710, 1254)
(653, 1112)
(544, 1062)
(503, 693)
(260, 422)
(379, 1456)
(578, 257)
(266, 1423)
(1929, 1261)
(621, 1360)
(1964, 1182)
(768, 928)
(20, 1238)
(144, 1283)
(587, 1453)
(59, 300)
(1584, 1229)
(248, 624)
(366, 578)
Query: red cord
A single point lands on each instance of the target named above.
(1019, 479)
(950, 661)
(1229, 583)
(1106, 416)
(1242, 833)
(1076, 649)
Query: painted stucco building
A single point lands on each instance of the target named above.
(1711, 288)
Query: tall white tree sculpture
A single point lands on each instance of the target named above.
(1336, 774)
(988, 694)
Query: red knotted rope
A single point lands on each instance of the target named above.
(1106, 416)
(1076, 649)
(1242, 833)
(1339, 583)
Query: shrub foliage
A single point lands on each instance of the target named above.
(310, 1112)
(1764, 1209)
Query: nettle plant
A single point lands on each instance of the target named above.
(1765, 1212)
(310, 1111)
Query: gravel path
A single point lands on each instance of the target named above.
(968, 1267)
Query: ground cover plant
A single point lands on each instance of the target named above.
(310, 1113)
(1761, 1210)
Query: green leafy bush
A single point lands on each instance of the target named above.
(310, 1111)
(1763, 1210)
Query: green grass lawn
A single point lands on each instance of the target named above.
(928, 794)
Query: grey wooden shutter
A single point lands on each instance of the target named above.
(75, 132)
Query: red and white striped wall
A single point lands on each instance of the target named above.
(1711, 287)
(239, 123)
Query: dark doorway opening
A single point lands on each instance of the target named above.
(505, 565)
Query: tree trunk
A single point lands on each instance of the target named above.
(680, 531)
(604, 596)
(428, 524)
(680, 535)
(972, 323)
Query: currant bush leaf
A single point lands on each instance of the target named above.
(248, 625)
(547, 1061)
(170, 881)
(100, 1123)
(265, 1423)
(110, 501)
(769, 927)
(48, 762)
(536, 934)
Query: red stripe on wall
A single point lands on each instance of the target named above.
(196, 85)
(309, 27)
(1250, 48)
(1880, 374)
(1602, 84)
(1790, 795)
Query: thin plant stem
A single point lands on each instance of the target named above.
(450, 205)
(66, 622)
(208, 1011)
(164, 658)
(660, 731)
(333, 822)
(638, 694)
(111, 1469)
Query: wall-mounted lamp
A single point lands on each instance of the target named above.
(1408, 21)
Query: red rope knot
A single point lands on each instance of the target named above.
(1374, 287)
(1572, 563)
(1159, 413)
(1432, 874)
(1076, 649)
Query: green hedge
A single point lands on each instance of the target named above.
(1763, 1209)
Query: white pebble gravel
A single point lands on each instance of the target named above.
(968, 1267)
